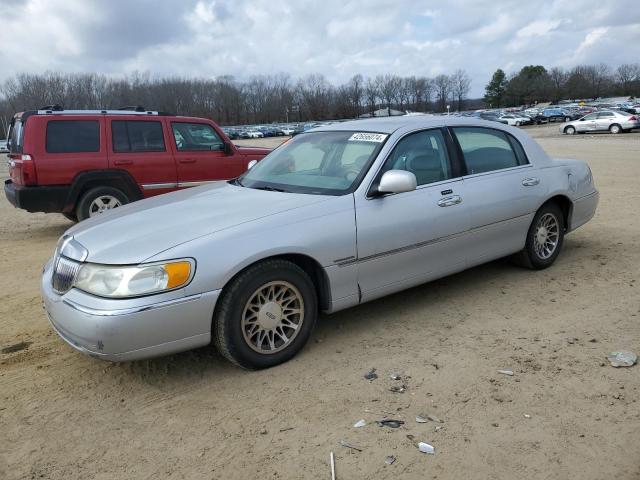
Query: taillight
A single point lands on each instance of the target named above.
(633, 118)
(22, 169)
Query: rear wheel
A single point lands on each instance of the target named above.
(544, 238)
(567, 119)
(265, 315)
(98, 200)
(615, 128)
(570, 130)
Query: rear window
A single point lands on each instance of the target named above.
(73, 136)
(137, 136)
(15, 137)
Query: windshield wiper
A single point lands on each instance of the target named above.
(270, 189)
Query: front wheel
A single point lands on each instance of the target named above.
(265, 315)
(615, 129)
(544, 238)
(570, 130)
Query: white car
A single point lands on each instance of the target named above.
(514, 119)
(288, 130)
(254, 133)
(3, 146)
(612, 120)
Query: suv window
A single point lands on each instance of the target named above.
(486, 150)
(422, 153)
(196, 137)
(137, 136)
(72, 136)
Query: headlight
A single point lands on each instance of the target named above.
(133, 281)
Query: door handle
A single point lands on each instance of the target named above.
(123, 162)
(450, 201)
(530, 182)
(187, 160)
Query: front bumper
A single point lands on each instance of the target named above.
(48, 199)
(129, 329)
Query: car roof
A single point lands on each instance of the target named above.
(391, 124)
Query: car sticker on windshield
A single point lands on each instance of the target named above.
(367, 137)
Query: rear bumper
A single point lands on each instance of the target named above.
(584, 209)
(48, 199)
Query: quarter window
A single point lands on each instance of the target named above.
(73, 136)
(424, 154)
(486, 150)
(137, 136)
(192, 137)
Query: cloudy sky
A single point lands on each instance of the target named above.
(207, 38)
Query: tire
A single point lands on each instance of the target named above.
(98, 200)
(517, 124)
(567, 119)
(236, 329)
(535, 254)
(70, 216)
(615, 129)
(570, 130)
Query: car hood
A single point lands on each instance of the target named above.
(140, 230)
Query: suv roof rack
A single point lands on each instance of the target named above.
(54, 108)
(54, 111)
(134, 108)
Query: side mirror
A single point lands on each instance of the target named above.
(228, 149)
(397, 181)
(251, 164)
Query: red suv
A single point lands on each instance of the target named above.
(82, 162)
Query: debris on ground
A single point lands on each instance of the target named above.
(16, 347)
(360, 423)
(395, 376)
(390, 423)
(526, 415)
(389, 460)
(622, 359)
(506, 372)
(371, 374)
(332, 462)
(424, 418)
(398, 388)
(426, 448)
(348, 445)
(438, 428)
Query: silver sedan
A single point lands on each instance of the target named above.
(614, 121)
(333, 218)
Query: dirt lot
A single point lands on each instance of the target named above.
(192, 415)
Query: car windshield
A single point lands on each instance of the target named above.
(321, 163)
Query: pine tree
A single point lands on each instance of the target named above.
(494, 91)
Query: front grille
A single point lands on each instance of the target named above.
(64, 274)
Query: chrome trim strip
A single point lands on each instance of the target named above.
(196, 184)
(423, 244)
(158, 186)
(131, 310)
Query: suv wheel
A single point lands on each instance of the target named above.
(99, 200)
(70, 216)
(265, 315)
(567, 119)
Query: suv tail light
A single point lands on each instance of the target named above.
(22, 169)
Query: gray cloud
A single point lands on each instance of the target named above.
(335, 37)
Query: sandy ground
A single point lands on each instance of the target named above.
(565, 414)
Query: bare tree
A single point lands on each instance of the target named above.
(442, 85)
(371, 92)
(461, 84)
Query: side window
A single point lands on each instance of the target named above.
(192, 137)
(486, 150)
(591, 116)
(73, 136)
(605, 114)
(422, 153)
(137, 136)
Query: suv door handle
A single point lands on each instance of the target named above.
(450, 201)
(530, 182)
(123, 162)
(187, 160)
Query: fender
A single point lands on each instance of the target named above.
(109, 177)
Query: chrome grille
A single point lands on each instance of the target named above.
(64, 274)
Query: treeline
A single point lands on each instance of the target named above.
(260, 99)
(534, 83)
